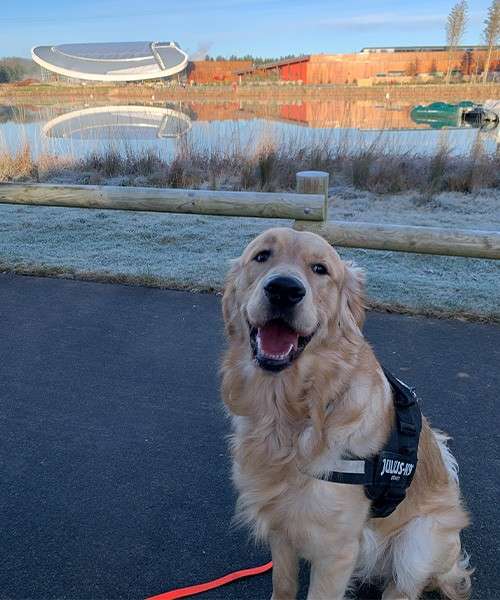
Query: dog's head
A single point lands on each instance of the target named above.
(287, 294)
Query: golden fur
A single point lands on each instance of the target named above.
(332, 401)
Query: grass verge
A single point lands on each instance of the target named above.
(190, 252)
(173, 284)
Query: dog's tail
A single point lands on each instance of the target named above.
(456, 583)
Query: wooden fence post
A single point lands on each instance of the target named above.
(314, 182)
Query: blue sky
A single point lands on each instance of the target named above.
(272, 28)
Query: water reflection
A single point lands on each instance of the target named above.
(333, 113)
(228, 125)
(321, 114)
(119, 123)
(441, 115)
(19, 114)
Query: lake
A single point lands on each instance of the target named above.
(74, 130)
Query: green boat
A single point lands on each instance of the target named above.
(439, 115)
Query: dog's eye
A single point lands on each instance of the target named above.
(319, 269)
(262, 256)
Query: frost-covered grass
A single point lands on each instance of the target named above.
(192, 252)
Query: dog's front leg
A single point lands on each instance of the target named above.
(285, 567)
(330, 574)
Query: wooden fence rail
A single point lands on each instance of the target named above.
(308, 208)
(268, 205)
(471, 243)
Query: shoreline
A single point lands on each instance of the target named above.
(424, 92)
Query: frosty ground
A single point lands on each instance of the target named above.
(193, 252)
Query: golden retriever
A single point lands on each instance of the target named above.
(304, 390)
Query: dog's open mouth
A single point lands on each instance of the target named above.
(276, 345)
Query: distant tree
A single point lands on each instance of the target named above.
(491, 34)
(8, 74)
(4, 74)
(256, 60)
(455, 28)
(15, 69)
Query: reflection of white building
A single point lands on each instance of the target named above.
(119, 123)
(114, 61)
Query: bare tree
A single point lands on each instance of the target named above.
(455, 27)
(491, 34)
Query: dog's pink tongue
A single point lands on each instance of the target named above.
(277, 338)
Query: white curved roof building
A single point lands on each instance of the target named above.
(113, 61)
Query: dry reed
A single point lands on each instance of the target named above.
(271, 166)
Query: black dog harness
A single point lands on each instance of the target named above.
(387, 475)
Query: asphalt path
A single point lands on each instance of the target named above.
(114, 471)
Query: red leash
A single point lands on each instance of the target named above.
(210, 585)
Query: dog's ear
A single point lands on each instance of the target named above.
(229, 305)
(352, 304)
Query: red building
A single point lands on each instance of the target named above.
(376, 65)
(215, 71)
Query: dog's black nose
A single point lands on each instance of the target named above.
(284, 291)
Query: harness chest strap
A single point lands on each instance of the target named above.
(387, 475)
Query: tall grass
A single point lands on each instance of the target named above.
(17, 165)
(269, 166)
